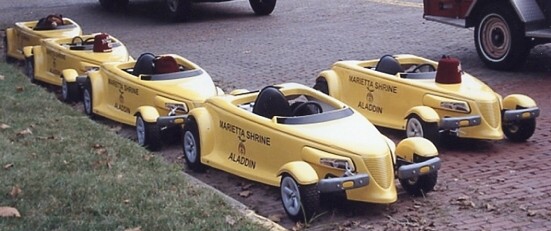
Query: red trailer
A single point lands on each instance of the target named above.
(505, 30)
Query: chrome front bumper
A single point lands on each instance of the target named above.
(417, 169)
(338, 184)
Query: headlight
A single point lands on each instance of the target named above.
(176, 107)
(455, 106)
(337, 163)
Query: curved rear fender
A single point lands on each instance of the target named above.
(517, 100)
(10, 37)
(204, 124)
(412, 146)
(70, 75)
(148, 113)
(28, 51)
(333, 82)
(427, 114)
(301, 171)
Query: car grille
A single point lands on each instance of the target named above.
(381, 170)
(490, 113)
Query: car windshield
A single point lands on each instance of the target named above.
(173, 75)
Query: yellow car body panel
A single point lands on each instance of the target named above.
(389, 100)
(235, 139)
(54, 56)
(118, 94)
(22, 34)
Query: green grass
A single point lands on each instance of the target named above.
(75, 174)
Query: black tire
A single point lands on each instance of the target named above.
(499, 38)
(300, 202)
(149, 134)
(29, 69)
(178, 10)
(417, 127)
(420, 185)
(70, 92)
(321, 85)
(88, 99)
(263, 7)
(191, 146)
(520, 131)
(113, 4)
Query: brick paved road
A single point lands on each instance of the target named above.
(482, 186)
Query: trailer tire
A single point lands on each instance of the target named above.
(499, 38)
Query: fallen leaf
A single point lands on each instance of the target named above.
(8, 166)
(275, 217)
(247, 186)
(26, 131)
(96, 146)
(4, 126)
(15, 191)
(19, 89)
(463, 198)
(9, 212)
(230, 220)
(2, 77)
(245, 193)
(139, 228)
(532, 213)
(490, 207)
(126, 201)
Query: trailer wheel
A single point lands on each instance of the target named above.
(499, 38)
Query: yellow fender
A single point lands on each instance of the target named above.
(333, 82)
(514, 100)
(301, 171)
(420, 146)
(204, 122)
(70, 75)
(28, 51)
(427, 114)
(10, 36)
(149, 113)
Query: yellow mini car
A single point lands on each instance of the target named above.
(308, 144)
(152, 93)
(30, 33)
(59, 61)
(428, 99)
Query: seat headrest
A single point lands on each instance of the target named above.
(101, 43)
(49, 22)
(388, 64)
(166, 64)
(271, 102)
(144, 65)
(448, 71)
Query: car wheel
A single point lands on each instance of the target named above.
(192, 146)
(520, 130)
(87, 99)
(29, 69)
(421, 185)
(69, 91)
(148, 134)
(178, 10)
(262, 7)
(416, 127)
(300, 202)
(499, 38)
(113, 4)
(321, 85)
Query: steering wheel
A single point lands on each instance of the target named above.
(429, 68)
(74, 40)
(304, 109)
(89, 41)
